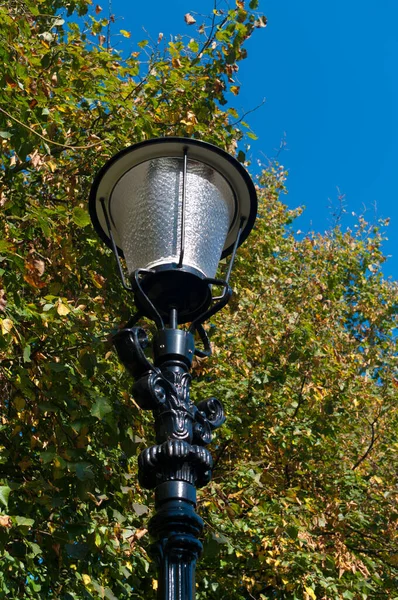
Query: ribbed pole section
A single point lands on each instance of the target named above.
(176, 527)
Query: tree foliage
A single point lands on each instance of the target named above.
(304, 499)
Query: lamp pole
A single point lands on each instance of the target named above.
(172, 207)
(179, 462)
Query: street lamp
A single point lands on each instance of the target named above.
(173, 207)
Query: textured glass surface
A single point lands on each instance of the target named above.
(146, 210)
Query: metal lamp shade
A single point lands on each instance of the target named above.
(173, 206)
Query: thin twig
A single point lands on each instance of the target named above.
(210, 37)
(263, 101)
(220, 454)
(300, 398)
(371, 444)
(48, 141)
(108, 31)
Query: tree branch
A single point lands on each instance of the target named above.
(300, 398)
(248, 112)
(373, 439)
(220, 454)
(47, 140)
(210, 37)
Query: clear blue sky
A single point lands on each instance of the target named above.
(328, 71)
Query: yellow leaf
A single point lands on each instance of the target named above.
(125, 33)
(19, 402)
(376, 479)
(310, 592)
(97, 279)
(86, 579)
(52, 165)
(235, 89)
(62, 309)
(154, 584)
(6, 326)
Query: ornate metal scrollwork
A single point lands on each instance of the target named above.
(179, 462)
(181, 427)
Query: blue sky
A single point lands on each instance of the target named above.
(328, 72)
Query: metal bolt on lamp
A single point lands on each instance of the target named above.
(173, 207)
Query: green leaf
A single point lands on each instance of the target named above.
(241, 156)
(57, 367)
(118, 516)
(4, 246)
(109, 594)
(292, 531)
(4, 494)
(77, 550)
(193, 45)
(220, 538)
(47, 456)
(36, 587)
(140, 509)
(101, 408)
(26, 353)
(84, 471)
(32, 7)
(80, 217)
(5, 134)
(24, 521)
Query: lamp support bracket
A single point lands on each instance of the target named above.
(114, 247)
(183, 206)
(236, 244)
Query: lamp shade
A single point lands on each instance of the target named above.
(173, 203)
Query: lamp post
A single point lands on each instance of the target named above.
(172, 207)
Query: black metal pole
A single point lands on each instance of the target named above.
(179, 462)
(176, 527)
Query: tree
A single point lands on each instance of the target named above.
(303, 503)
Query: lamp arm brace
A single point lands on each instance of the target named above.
(114, 247)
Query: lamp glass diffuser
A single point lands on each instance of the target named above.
(146, 210)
